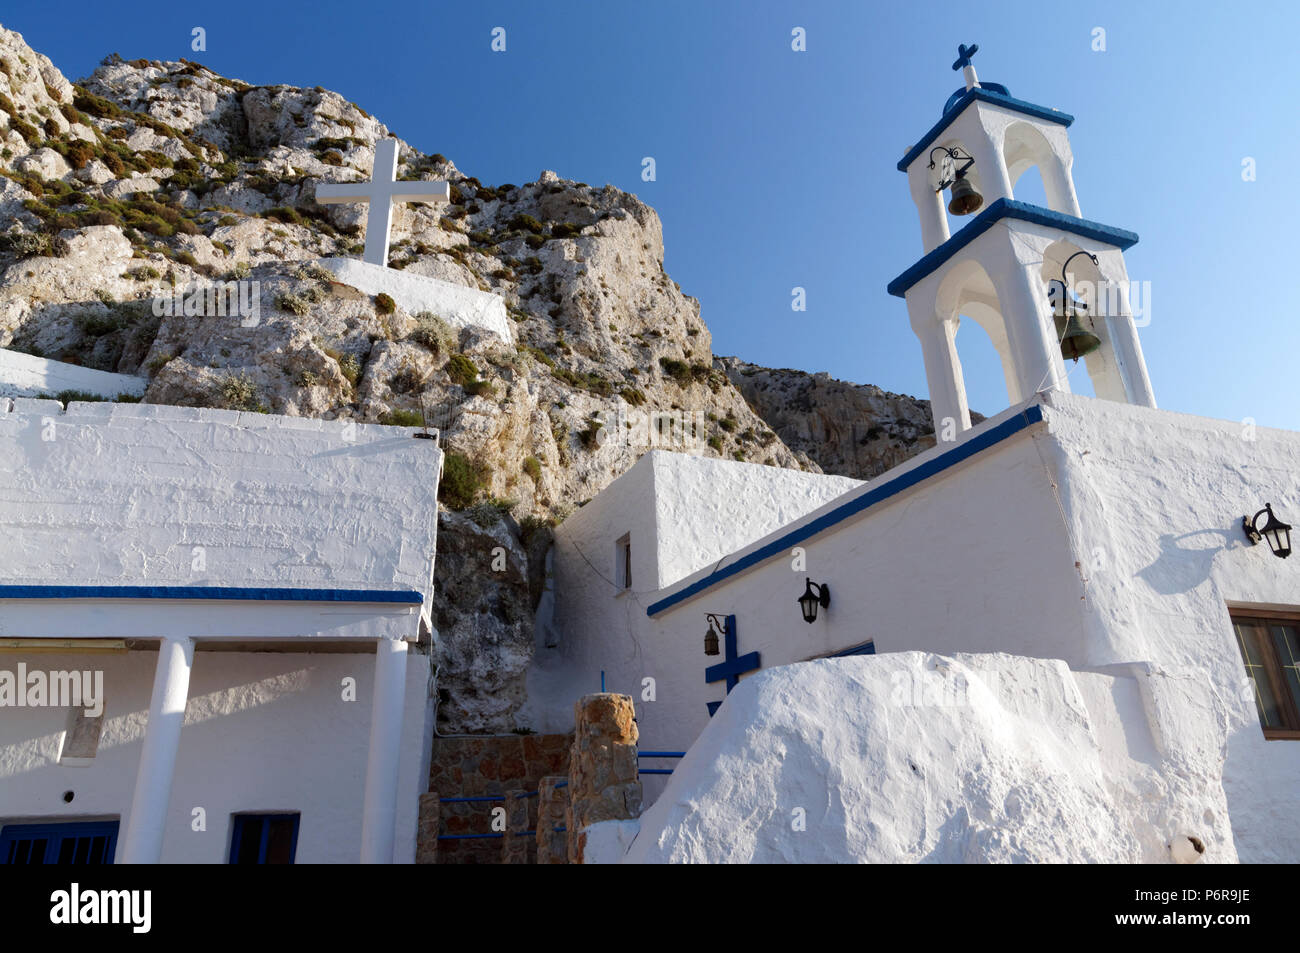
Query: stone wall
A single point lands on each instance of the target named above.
(489, 764)
(597, 765)
(552, 820)
(604, 784)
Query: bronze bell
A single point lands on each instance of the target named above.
(964, 197)
(1076, 339)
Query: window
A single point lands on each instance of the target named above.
(866, 648)
(1270, 648)
(264, 838)
(623, 562)
(76, 843)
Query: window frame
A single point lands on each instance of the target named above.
(240, 820)
(623, 563)
(862, 648)
(866, 648)
(1289, 706)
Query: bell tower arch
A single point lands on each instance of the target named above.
(1048, 286)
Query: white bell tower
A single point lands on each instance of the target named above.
(1000, 266)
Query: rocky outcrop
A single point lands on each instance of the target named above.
(148, 178)
(853, 430)
(484, 616)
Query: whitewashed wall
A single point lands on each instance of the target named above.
(122, 494)
(592, 619)
(972, 560)
(263, 732)
(1154, 501)
(706, 509)
(1107, 536)
(456, 304)
(141, 495)
(25, 375)
(681, 513)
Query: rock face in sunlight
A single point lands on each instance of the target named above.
(149, 178)
(854, 430)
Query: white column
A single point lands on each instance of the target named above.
(929, 206)
(1103, 369)
(997, 333)
(942, 373)
(142, 843)
(1058, 186)
(1031, 332)
(379, 813)
(1128, 350)
(994, 181)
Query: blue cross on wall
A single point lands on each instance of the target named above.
(733, 665)
(964, 53)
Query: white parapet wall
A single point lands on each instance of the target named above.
(126, 494)
(287, 549)
(916, 757)
(457, 305)
(25, 375)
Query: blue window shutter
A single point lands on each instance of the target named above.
(82, 842)
(867, 648)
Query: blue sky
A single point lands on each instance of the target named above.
(776, 169)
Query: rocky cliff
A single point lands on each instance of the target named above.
(132, 184)
(854, 430)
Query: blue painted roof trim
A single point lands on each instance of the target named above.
(994, 435)
(956, 97)
(231, 593)
(1009, 208)
(984, 95)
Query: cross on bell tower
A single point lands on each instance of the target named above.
(963, 63)
(1044, 283)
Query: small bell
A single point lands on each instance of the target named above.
(964, 197)
(1076, 340)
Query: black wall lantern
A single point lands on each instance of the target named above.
(716, 626)
(1274, 530)
(1076, 338)
(810, 600)
(965, 199)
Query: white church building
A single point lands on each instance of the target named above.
(1102, 532)
(214, 625)
(209, 635)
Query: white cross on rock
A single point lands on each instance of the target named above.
(380, 193)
